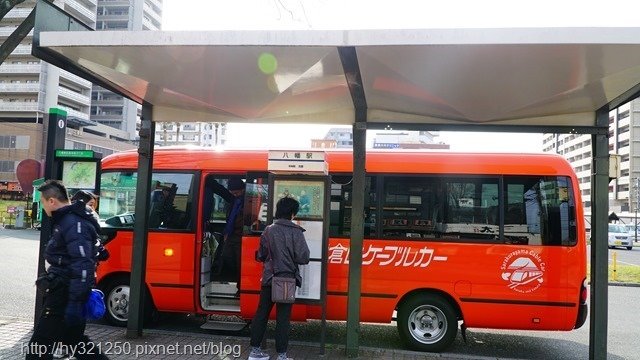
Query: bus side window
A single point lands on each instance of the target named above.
(170, 200)
(340, 206)
(539, 211)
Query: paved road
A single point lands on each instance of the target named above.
(624, 256)
(18, 267)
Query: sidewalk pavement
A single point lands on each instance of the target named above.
(162, 344)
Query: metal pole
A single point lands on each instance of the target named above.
(599, 245)
(140, 229)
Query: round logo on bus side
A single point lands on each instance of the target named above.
(523, 270)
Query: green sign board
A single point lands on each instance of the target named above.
(84, 154)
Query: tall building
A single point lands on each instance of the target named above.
(108, 108)
(624, 141)
(29, 87)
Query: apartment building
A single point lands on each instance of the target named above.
(29, 87)
(108, 108)
(191, 133)
(624, 141)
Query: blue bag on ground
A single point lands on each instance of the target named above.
(94, 308)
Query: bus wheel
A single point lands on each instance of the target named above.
(117, 300)
(427, 322)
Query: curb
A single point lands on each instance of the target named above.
(624, 284)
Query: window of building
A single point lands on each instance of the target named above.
(7, 142)
(7, 166)
(79, 146)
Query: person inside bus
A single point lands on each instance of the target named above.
(232, 234)
(226, 260)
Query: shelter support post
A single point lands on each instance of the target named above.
(140, 229)
(357, 235)
(56, 130)
(599, 243)
(349, 60)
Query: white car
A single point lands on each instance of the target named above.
(619, 236)
(631, 229)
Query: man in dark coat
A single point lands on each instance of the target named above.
(70, 255)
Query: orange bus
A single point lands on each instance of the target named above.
(485, 240)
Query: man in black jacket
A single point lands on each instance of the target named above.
(70, 255)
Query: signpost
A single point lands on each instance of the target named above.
(302, 175)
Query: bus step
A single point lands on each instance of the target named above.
(224, 325)
(227, 308)
(226, 296)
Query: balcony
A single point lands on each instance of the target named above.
(19, 69)
(74, 96)
(20, 13)
(148, 25)
(74, 113)
(75, 79)
(90, 3)
(6, 31)
(20, 107)
(78, 8)
(108, 102)
(22, 50)
(20, 88)
(156, 4)
(151, 13)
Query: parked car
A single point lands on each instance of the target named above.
(619, 236)
(631, 229)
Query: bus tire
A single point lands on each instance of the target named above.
(427, 322)
(117, 299)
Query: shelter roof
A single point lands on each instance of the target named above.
(515, 76)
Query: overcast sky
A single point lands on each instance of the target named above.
(368, 14)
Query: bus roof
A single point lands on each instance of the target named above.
(378, 161)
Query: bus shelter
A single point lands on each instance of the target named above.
(551, 80)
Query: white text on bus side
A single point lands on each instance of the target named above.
(387, 255)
